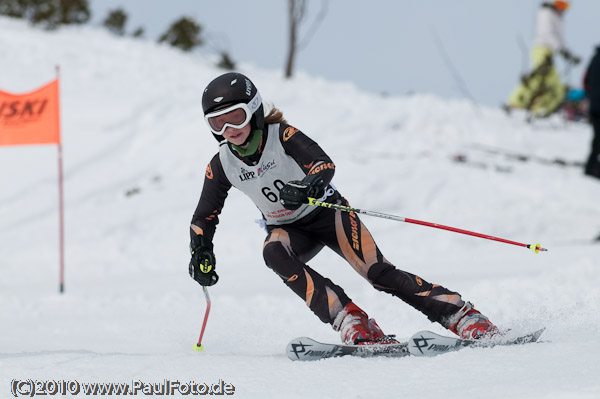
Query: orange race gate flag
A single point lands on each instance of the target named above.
(30, 118)
(34, 118)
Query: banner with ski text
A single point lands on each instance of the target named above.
(30, 118)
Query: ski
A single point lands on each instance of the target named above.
(427, 343)
(304, 348)
(423, 343)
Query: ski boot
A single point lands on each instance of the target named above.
(469, 323)
(356, 328)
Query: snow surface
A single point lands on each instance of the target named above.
(132, 123)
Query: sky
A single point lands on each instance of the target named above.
(463, 48)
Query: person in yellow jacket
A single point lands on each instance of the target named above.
(541, 91)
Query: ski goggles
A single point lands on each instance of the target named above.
(236, 116)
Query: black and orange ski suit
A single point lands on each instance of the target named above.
(289, 247)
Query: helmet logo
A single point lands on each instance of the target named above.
(255, 103)
(248, 87)
(234, 81)
(218, 99)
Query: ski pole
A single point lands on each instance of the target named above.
(198, 347)
(314, 202)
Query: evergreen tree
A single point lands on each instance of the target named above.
(43, 13)
(183, 34)
(115, 21)
(47, 13)
(139, 32)
(73, 11)
(13, 8)
(226, 62)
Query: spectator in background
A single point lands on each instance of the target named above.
(591, 83)
(541, 91)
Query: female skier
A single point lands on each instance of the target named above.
(279, 167)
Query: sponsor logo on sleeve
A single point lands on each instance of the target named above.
(323, 166)
(288, 133)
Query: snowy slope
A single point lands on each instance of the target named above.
(132, 123)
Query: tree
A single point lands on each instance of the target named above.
(13, 8)
(183, 34)
(47, 13)
(296, 14)
(115, 21)
(44, 14)
(139, 32)
(72, 11)
(226, 61)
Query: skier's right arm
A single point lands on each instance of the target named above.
(204, 222)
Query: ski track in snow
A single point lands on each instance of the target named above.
(132, 123)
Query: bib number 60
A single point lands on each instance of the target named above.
(269, 193)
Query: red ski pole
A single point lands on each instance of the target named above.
(314, 202)
(198, 347)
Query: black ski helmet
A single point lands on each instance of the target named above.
(228, 89)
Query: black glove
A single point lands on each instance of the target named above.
(296, 192)
(202, 264)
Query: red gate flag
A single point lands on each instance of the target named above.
(30, 118)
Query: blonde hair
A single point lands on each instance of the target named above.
(274, 116)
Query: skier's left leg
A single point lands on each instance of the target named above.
(355, 244)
